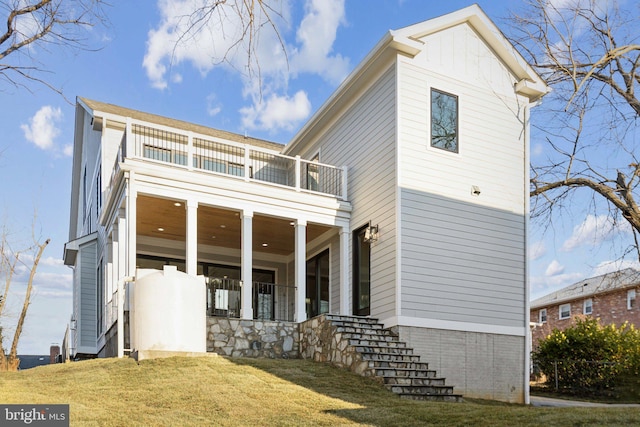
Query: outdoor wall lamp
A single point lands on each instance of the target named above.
(371, 233)
(475, 190)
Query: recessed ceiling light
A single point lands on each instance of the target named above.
(160, 229)
(223, 226)
(292, 223)
(213, 237)
(177, 204)
(264, 245)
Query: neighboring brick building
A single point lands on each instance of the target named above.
(612, 298)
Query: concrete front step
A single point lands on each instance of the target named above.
(405, 373)
(377, 342)
(382, 350)
(366, 332)
(420, 389)
(413, 381)
(433, 397)
(391, 360)
(393, 364)
(390, 357)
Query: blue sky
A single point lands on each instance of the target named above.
(138, 67)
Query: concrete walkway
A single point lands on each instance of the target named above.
(561, 403)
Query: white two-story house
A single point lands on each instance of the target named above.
(404, 198)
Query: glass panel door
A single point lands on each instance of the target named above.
(317, 297)
(361, 273)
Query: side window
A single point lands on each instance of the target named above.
(444, 121)
(631, 299)
(565, 311)
(543, 315)
(587, 306)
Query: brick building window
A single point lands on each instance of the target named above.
(587, 307)
(631, 299)
(542, 315)
(565, 311)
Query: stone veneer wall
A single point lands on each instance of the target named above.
(320, 341)
(253, 338)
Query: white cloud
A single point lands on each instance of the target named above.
(277, 112)
(554, 269)
(593, 231)
(67, 150)
(610, 266)
(215, 44)
(542, 285)
(537, 250)
(213, 106)
(316, 35)
(42, 128)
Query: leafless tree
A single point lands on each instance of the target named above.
(35, 26)
(589, 53)
(239, 23)
(9, 261)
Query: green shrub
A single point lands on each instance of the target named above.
(589, 356)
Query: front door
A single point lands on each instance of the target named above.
(361, 273)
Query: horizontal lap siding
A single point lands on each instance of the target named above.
(463, 256)
(364, 139)
(88, 315)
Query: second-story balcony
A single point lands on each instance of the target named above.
(206, 154)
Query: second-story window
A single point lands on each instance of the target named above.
(444, 121)
(543, 315)
(565, 311)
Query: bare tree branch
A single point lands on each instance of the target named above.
(36, 25)
(588, 52)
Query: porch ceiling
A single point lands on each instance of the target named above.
(164, 218)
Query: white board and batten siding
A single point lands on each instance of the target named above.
(462, 256)
(363, 138)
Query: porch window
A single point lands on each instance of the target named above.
(565, 311)
(444, 121)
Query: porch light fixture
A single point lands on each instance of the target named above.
(160, 229)
(371, 233)
(264, 245)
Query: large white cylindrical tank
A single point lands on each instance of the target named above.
(168, 311)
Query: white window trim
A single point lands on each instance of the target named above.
(631, 296)
(544, 310)
(585, 305)
(560, 311)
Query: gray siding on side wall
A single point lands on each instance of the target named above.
(364, 140)
(88, 315)
(461, 261)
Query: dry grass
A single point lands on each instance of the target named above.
(255, 392)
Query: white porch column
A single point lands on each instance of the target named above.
(300, 270)
(192, 238)
(247, 265)
(120, 250)
(130, 221)
(345, 307)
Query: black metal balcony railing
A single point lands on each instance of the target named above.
(270, 301)
(232, 159)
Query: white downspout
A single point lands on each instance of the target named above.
(527, 341)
